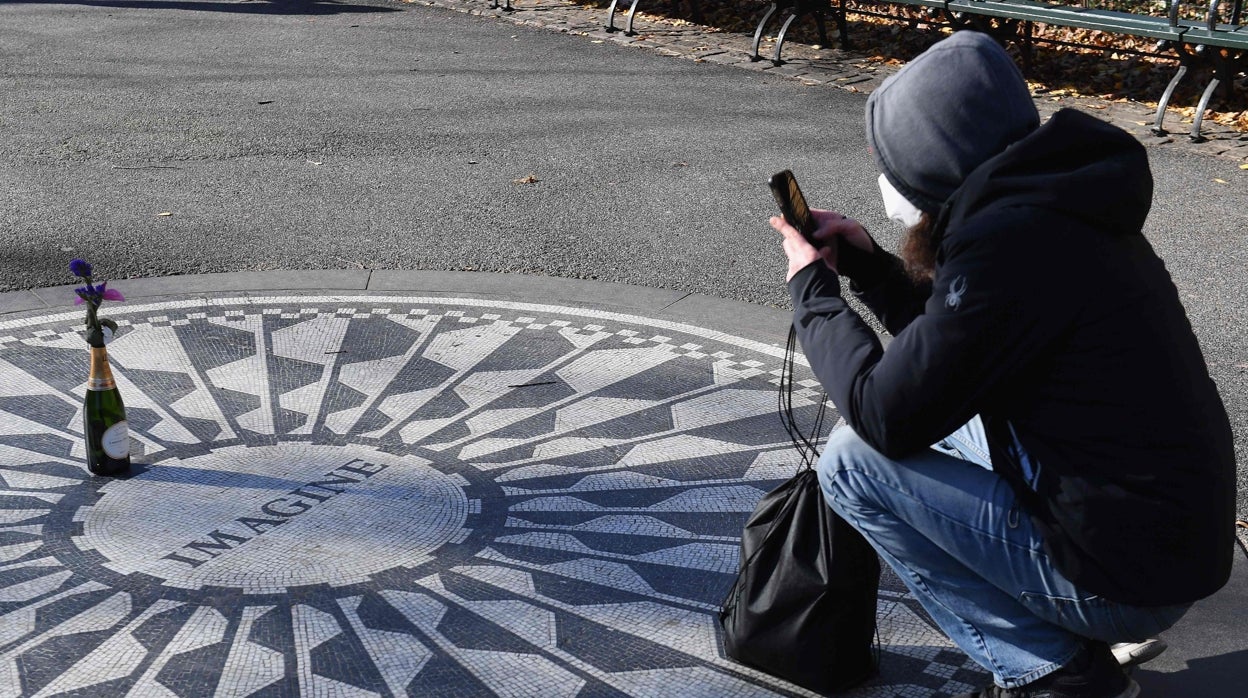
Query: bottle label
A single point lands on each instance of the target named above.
(116, 440)
(101, 383)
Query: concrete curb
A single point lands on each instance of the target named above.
(755, 322)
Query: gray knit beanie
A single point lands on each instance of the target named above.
(945, 113)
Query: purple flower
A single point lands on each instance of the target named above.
(109, 294)
(96, 294)
(92, 295)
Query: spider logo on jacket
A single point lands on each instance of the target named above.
(953, 300)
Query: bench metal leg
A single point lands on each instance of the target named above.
(610, 27)
(1028, 53)
(797, 9)
(1200, 111)
(1158, 125)
(632, 12)
(784, 29)
(694, 6)
(695, 9)
(1227, 66)
(842, 25)
(822, 25)
(762, 27)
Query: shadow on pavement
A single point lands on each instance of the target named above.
(208, 478)
(1208, 655)
(260, 7)
(1208, 676)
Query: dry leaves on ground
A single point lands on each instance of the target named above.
(1102, 66)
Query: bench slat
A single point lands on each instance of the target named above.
(1083, 18)
(1225, 36)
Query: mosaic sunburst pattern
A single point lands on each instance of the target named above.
(388, 496)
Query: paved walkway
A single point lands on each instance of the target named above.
(819, 66)
(375, 483)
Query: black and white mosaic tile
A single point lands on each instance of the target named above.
(394, 496)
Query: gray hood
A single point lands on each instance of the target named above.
(954, 107)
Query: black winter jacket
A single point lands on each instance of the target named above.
(1050, 313)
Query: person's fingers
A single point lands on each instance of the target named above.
(789, 232)
(831, 228)
(782, 226)
(795, 248)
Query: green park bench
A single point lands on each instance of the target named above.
(1219, 40)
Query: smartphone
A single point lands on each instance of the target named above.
(793, 205)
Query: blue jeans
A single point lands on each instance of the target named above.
(951, 530)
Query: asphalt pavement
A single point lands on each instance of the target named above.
(160, 138)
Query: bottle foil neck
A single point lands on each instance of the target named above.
(101, 376)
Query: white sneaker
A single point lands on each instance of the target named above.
(1131, 654)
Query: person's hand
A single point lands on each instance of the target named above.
(831, 225)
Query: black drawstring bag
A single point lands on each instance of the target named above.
(803, 606)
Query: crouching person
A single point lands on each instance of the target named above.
(1081, 489)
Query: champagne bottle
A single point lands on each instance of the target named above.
(104, 420)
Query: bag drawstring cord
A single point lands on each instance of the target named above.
(807, 446)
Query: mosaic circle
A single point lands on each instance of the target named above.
(222, 518)
(394, 496)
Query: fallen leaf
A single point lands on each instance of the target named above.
(314, 162)
(1244, 166)
(680, 164)
(165, 213)
(1219, 181)
(267, 101)
(531, 179)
